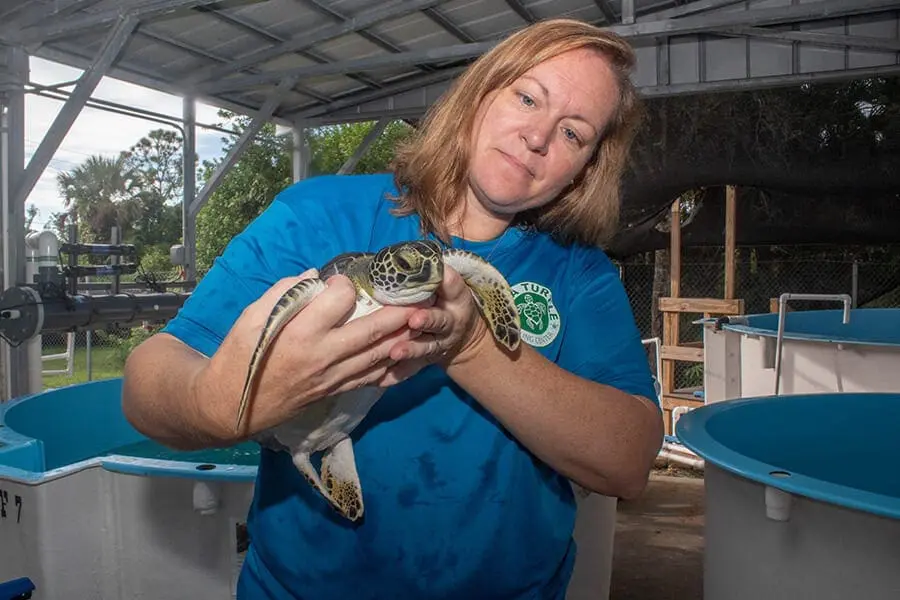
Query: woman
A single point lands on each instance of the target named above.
(467, 460)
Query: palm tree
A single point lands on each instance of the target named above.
(99, 194)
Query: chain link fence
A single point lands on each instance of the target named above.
(100, 354)
(872, 284)
(78, 357)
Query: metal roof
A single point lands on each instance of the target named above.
(317, 61)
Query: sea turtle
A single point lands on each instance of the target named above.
(400, 274)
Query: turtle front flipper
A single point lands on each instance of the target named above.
(341, 479)
(492, 294)
(289, 304)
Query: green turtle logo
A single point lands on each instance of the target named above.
(538, 314)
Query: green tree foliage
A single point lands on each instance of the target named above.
(332, 145)
(265, 169)
(156, 162)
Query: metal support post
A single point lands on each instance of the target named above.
(15, 360)
(363, 147)
(189, 174)
(259, 119)
(300, 156)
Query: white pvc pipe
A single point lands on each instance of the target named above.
(680, 459)
(680, 455)
(8, 279)
(42, 250)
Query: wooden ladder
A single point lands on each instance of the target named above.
(673, 306)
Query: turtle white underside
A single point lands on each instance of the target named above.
(325, 426)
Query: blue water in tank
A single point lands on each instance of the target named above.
(838, 448)
(64, 426)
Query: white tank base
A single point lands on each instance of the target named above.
(595, 528)
(821, 552)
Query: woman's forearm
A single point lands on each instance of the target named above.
(597, 436)
(161, 396)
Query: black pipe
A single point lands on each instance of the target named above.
(91, 312)
(25, 312)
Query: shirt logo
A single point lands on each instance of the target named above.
(537, 313)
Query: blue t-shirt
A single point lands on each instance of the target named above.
(456, 508)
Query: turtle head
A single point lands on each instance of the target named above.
(407, 273)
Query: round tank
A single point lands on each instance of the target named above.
(802, 496)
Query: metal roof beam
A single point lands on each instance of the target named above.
(447, 25)
(350, 66)
(86, 85)
(259, 119)
(271, 37)
(606, 8)
(628, 11)
(367, 35)
(815, 37)
(384, 12)
(521, 10)
(363, 147)
(795, 13)
(691, 8)
(205, 54)
(767, 16)
(37, 12)
(300, 113)
(63, 27)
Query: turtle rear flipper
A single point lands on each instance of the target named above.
(492, 294)
(341, 479)
(339, 483)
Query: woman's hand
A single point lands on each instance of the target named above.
(314, 356)
(452, 329)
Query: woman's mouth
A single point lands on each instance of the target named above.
(517, 163)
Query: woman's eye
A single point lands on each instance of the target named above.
(571, 135)
(526, 99)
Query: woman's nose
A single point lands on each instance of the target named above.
(536, 135)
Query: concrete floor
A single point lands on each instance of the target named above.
(659, 541)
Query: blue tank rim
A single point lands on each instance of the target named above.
(152, 467)
(691, 432)
(744, 325)
(116, 463)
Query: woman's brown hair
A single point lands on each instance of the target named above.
(430, 169)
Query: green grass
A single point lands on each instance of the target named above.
(105, 364)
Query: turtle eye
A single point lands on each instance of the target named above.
(403, 263)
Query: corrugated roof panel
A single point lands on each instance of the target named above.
(331, 85)
(100, 6)
(208, 33)
(160, 56)
(573, 9)
(259, 97)
(348, 47)
(483, 19)
(350, 8)
(387, 74)
(415, 32)
(282, 62)
(283, 18)
(10, 8)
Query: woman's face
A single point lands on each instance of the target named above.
(531, 139)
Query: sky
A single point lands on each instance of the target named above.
(97, 131)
